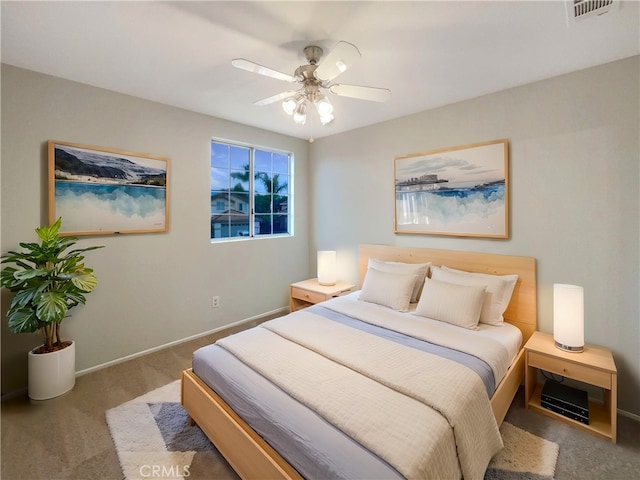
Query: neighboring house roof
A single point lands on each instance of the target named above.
(237, 215)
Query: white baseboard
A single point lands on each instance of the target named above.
(183, 340)
(630, 415)
(21, 392)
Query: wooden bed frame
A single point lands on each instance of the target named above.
(252, 457)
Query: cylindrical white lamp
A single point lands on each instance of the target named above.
(568, 317)
(327, 267)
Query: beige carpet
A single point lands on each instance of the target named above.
(153, 440)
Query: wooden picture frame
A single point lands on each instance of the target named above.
(102, 191)
(459, 191)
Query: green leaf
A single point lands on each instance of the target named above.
(24, 296)
(23, 275)
(85, 282)
(52, 307)
(7, 278)
(49, 233)
(85, 249)
(23, 320)
(74, 298)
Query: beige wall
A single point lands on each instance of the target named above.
(153, 288)
(574, 148)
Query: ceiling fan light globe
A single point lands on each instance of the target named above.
(299, 118)
(326, 119)
(324, 107)
(289, 105)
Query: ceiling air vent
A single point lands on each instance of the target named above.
(581, 9)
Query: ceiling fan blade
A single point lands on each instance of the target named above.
(364, 93)
(275, 98)
(255, 68)
(342, 56)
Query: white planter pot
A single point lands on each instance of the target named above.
(52, 374)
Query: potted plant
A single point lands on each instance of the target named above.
(47, 280)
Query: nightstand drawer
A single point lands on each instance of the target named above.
(569, 369)
(307, 296)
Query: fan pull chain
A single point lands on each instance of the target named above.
(311, 139)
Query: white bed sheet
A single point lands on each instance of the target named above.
(508, 335)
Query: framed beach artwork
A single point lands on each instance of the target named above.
(460, 191)
(101, 191)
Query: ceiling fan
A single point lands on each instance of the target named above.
(314, 78)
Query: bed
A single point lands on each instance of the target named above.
(252, 456)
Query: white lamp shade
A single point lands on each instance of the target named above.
(326, 267)
(568, 317)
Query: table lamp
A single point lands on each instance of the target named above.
(568, 317)
(327, 267)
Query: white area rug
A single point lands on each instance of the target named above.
(142, 449)
(524, 456)
(153, 440)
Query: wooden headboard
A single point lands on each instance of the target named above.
(522, 310)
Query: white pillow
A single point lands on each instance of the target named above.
(392, 290)
(456, 304)
(417, 269)
(499, 290)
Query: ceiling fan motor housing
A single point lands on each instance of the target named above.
(313, 54)
(305, 74)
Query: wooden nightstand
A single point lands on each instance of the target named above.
(309, 292)
(594, 366)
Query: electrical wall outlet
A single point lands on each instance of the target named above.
(215, 301)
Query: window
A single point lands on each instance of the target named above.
(250, 191)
